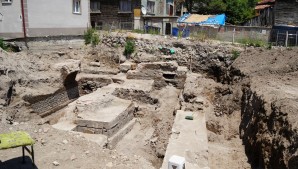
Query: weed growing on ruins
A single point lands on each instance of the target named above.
(95, 39)
(180, 34)
(2, 44)
(235, 54)
(129, 48)
(91, 37)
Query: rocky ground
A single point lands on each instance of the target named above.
(253, 125)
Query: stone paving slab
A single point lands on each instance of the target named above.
(189, 140)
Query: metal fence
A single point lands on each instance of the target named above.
(284, 37)
(228, 33)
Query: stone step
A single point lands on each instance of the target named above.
(113, 140)
(188, 140)
(106, 116)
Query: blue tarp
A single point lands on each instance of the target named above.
(183, 18)
(211, 21)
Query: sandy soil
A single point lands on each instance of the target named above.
(271, 72)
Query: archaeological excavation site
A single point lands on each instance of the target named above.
(218, 105)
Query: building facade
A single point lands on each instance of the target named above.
(39, 18)
(286, 13)
(160, 16)
(126, 14)
(107, 14)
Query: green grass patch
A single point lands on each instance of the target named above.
(235, 54)
(252, 42)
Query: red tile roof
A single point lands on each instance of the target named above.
(260, 7)
(266, 1)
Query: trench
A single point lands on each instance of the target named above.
(269, 140)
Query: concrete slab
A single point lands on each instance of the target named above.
(189, 140)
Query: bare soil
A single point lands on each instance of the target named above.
(253, 125)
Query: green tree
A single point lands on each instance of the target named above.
(238, 11)
(216, 7)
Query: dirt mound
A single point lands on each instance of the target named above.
(269, 105)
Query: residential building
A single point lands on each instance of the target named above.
(264, 15)
(39, 18)
(113, 13)
(160, 16)
(126, 14)
(285, 29)
(286, 13)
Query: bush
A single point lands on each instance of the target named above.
(235, 54)
(91, 37)
(2, 44)
(95, 39)
(129, 48)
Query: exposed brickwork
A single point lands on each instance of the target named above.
(55, 100)
(106, 128)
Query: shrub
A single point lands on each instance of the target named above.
(129, 48)
(94, 39)
(2, 44)
(91, 37)
(235, 54)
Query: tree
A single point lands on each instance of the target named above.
(238, 11)
(209, 6)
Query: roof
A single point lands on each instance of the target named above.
(266, 2)
(260, 7)
(195, 19)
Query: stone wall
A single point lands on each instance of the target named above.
(163, 73)
(106, 128)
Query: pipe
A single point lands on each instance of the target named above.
(24, 25)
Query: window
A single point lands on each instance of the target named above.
(150, 7)
(6, 1)
(76, 6)
(95, 5)
(125, 6)
(170, 9)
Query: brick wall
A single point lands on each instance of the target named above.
(51, 102)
